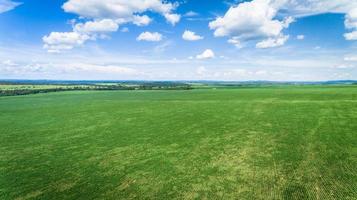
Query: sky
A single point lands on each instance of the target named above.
(231, 40)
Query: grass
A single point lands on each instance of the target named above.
(251, 143)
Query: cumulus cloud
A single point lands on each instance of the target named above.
(351, 19)
(351, 23)
(141, 20)
(191, 36)
(7, 5)
(106, 16)
(207, 54)
(150, 37)
(265, 20)
(250, 20)
(55, 42)
(351, 35)
(120, 9)
(272, 42)
(247, 20)
(172, 18)
(100, 26)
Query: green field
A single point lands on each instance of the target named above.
(250, 143)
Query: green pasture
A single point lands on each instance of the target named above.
(291, 142)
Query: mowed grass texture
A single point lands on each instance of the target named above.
(257, 143)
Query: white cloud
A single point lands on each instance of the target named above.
(351, 35)
(301, 8)
(101, 26)
(351, 19)
(249, 20)
(7, 5)
(258, 19)
(172, 18)
(272, 42)
(106, 16)
(148, 36)
(351, 23)
(191, 36)
(141, 20)
(120, 9)
(287, 21)
(207, 54)
(55, 42)
(191, 14)
(300, 37)
(235, 42)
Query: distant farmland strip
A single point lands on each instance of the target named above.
(14, 90)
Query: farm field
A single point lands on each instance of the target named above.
(292, 142)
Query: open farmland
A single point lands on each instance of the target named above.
(251, 143)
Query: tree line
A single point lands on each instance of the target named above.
(155, 86)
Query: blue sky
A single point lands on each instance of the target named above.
(281, 40)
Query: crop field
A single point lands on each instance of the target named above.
(293, 142)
